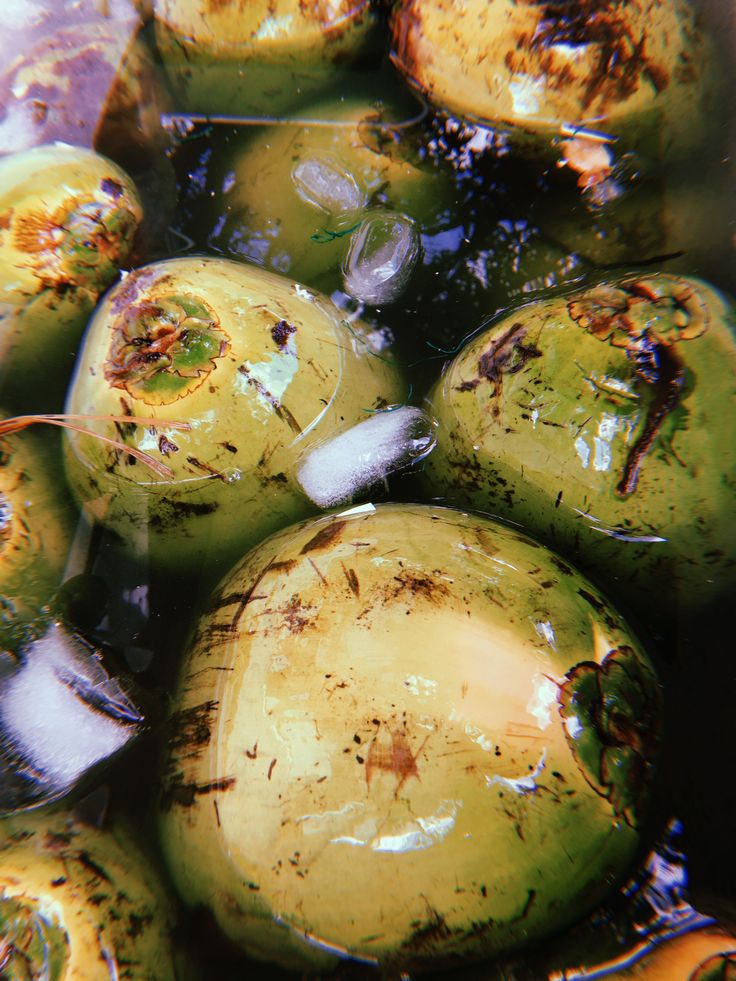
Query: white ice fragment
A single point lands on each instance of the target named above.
(381, 258)
(358, 509)
(61, 713)
(323, 181)
(335, 471)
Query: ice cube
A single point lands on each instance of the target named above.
(381, 258)
(336, 471)
(324, 182)
(60, 714)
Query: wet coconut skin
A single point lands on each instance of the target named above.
(592, 420)
(69, 218)
(398, 757)
(79, 903)
(369, 691)
(234, 58)
(638, 70)
(36, 528)
(226, 348)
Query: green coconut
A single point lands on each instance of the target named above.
(408, 736)
(256, 367)
(604, 421)
(296, 195)
(638, 71)
(68, 219)
(37, 522)
(259, 58)
(77, 904)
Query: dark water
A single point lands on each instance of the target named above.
(487, 252)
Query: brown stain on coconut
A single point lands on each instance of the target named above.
(623, 316)
(190, 729)
(281, 332)
(505, 355)
(324, 537)
(390, 752)
(621, 62)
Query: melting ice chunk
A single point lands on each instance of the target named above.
(60, 714)
(322, 181)
(336, 471)
(381, 258)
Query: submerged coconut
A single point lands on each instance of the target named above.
(36, 526)
(639, 71)
(405, 735)
(68, 220)
(294, 198)
(79, 903)
(258, 58)
(257, 367)
(604, 420)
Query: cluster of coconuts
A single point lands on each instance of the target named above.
(406, 735)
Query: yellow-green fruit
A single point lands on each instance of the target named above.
(257, 58)
(604, 421)
(636, 70)
(405, 735)
(79, 904)
(702, 955)
(68, 218)
(663, 217)
(296, 193)
(260, 369)
(36, 528)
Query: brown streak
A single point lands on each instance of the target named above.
(206, 468)
(352, 579)
(671, 383)
(316, 569)
(324, 537)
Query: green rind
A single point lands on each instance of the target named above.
(373, 691)
(537, 421)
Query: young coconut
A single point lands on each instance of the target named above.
(295, 196)
(702, 955)
(259, 368)
(638, 214)
(68, 218)
(427, 699)
(638, 71)
(37, 522)
(61, 713)
(79, 904)
(260, 58)
(603, 421)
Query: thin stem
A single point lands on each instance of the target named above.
(17, 423)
